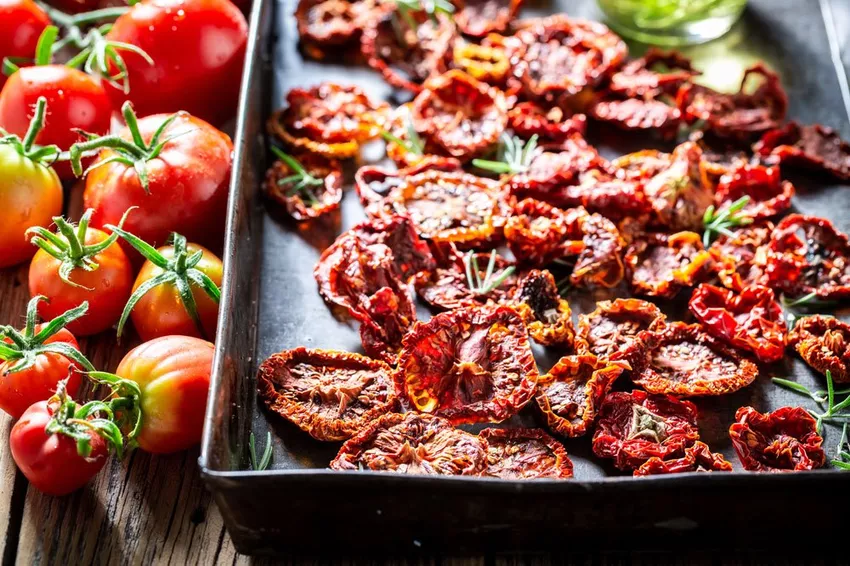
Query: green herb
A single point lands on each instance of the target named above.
(301, 178)
(809, 303)
(266, 459)
(515, 156)
(413, 144)
(719, 221)
(491, 280)
(834, 412)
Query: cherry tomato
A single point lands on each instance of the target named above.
(21, 24)
(198, 49)
(173, 375)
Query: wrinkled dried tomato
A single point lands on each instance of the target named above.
(552, 126)
(449, 288)
(678, 195)
(537, 234)
(782, 441)
(824, 343)
(477, 18)
(570, 394)
(328, 119)
(413, 443)
(612, 331)
(635, 427)
(807, 254)
(661, 265)
(681, 359)
(525, 454)
(697, 458)
(547, 316)
(459, 116)
(488, 62)
(468, 365)
(305, 203)
(613, 198)
(714, 163)
(741, 115)
(638, 114)
(642, 78)
(374, 184)
(769, 195)
(815, 147)
(600, 263)
(741, 259)
(333, 24)
(330, 395)
(641, 165)
(411, 255)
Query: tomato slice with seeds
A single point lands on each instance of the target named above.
(742, 258)
(781, 441)
(661, 265)
(697, 458)
(769, 196)
(411, 254)
(814, 147)
(536, 233)
(477, 18)
(525, 454)
(306, 201)
(553, 126)
(612, 331)
(824, 343)
(328, 25)
(547, 316)
(638, 114)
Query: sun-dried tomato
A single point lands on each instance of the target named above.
(824, 343)
(638, 114)
(374, 184)
(552, 126)
(612, 197)
(477, 18)
(570, 394)
(563, 56)
(537, 234)
(306, 202)
(488, 62)
(468, 365)
(547, 316)
(697, 458)
(408, 57)
(459, 116)
(815, 147)
(635, 427)
(449, 286)
(612, 331)
(654, 74)
(807, 254)
(741, 259)
(329, 119)
(330, 395)
(769, 195)
(413, 443)
(525, 454)
(661, 265)
(741, 115)
(641, 165)
(600, 263)
(715, 163)
(325, 25)
(411, 255)
(781, 441)
(751, 320)
(681, 359)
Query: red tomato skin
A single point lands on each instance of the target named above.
(75, 100)
(188, 184)
(21, 24)
(51, 462)
(198, 49)
(108, 287)
(21, 389)
(173, 373)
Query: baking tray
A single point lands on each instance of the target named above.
(270, 303)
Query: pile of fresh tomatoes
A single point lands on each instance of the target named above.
(155, 196)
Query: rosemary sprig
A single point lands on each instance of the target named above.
(834, 411)
(491, 280)
(413, 144)
(266, 459)
(842, 452)
(515, 156)
(302, 179)
(720, 221)
(808, 303)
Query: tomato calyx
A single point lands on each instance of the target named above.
(124, 404)
(26, 147)
(25, 346)
(76, 422)
(179, 271)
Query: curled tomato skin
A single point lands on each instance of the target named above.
(634, 427)
(782, 441)
(697, 458)
(552, 126)
(547, 316)
(769, 195)
(525, 454)
(660, 265)
(569, 395)
(477, 18)
(814, 147)
(468, 365)
(612, 332)
(329, 395)
(824, 343)
(321, 200)
(751, 320)
(741, 259)
(681, 359)
(413, 443)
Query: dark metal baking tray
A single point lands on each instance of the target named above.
(270, 303)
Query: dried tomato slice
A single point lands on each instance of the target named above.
(374, 184)
(807, 254)
(781, 441)
(638, 114)
(488, 62)
(306, 202)
(613, 198)
(678, 194)
(413, 444)
(525, 454)
(329, 119)
(553, 126)
(537, 234)
(468, 365)
(450, 287)
(612, 331)
(741, 115)
(547, 316)
(752, 320)
(697, 458)
(600, 263)
(661, 265)
(329, 395)
(654, 74)
(815, 147)
(333, 24)
(769, 195)
(681, 359)
(570, 394)
(459, 116)
(477, 18)
(411, 254)
(741, 259)
(635, 427)
(824, 343)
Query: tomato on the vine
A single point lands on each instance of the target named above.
(21, 24)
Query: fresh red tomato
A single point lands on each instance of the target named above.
(80, 264)
(173, 375)
(198, 49)
(187, 181)
(21, 24)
